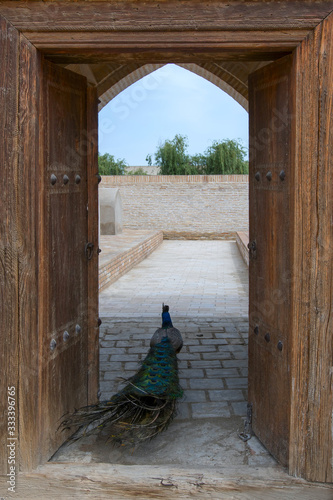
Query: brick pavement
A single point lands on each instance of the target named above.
(205, 284)
(205, 279)
(212, 367)
(213, 370)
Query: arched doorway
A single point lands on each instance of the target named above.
(237, 31)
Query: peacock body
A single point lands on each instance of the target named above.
(147, 403)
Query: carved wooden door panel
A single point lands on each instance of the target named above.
(270, 180)
(64, 267)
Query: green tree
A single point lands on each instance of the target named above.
(172, 157)
(108, 165)
(199, 163)
(149, 160)
(225, 157)
(222, 157)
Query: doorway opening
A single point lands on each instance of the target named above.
(205, 282)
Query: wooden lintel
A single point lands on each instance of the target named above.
(162, 47)
(180, 31)
(205, 39)
(40, 15)
(154, 57)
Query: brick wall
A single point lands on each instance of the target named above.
(197, 206)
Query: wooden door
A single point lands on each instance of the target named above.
(47, 286)
(63, 276)
(270, 180)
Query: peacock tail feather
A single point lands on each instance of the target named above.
(142, 409)
(158, 375)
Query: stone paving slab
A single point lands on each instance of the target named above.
(201, 363)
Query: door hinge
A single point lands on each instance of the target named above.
(247, 433)
(89, 250)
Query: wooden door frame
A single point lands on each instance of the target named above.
(229, 30)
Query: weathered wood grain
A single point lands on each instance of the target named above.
(92, 181)
(9, 265)
(28, 186)
(63, 298)
(183, 54)
(182, 31)
(271, 109)
(96, 31)
(144, 40)
(119, 482)
(165, 15)
(155, 46)
(312, 280)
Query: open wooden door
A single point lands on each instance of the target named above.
(67, 252)
(270, 180)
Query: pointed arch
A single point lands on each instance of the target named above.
(111, 79)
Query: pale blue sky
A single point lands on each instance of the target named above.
(169, 101)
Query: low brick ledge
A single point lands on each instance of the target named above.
(191, 235)
(242, 240)
(135, 249)
(117, 180)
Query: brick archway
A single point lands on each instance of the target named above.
(111, 79)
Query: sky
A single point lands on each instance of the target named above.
(169, 101)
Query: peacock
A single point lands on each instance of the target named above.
(148, 402)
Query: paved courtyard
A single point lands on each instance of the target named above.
(196, 278)
(200, 455)
(205, 283)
